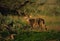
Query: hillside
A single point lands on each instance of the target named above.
(29, 18)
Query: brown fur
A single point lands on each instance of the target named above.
(32, 22)
(37, 22)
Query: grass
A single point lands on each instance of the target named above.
(51, 21)
(37, 36)
(45, 12)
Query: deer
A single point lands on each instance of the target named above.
(39, 22)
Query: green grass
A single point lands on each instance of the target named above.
(33, 36)
(37, 36)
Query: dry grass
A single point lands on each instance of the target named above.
(52, 22)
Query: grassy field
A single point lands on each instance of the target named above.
(38, 36)
(52, 34)
(48, 10)
(52, 22)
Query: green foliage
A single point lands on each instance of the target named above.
(28, 9)
(4, 33)
(37, 36)
(28, 36)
